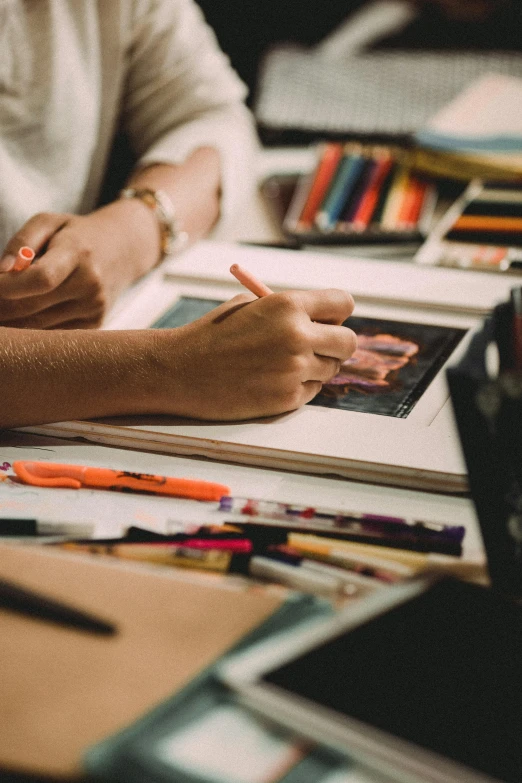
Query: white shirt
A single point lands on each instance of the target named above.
(74, 72)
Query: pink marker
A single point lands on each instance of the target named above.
(249, 281)
(24, 258)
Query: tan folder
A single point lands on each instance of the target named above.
(63, 689)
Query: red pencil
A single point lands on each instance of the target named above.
(411, 204)
(323, 174)
(417, 202)
(367, 205)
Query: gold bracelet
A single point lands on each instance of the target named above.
(173, 239)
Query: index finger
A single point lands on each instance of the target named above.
(328, 305)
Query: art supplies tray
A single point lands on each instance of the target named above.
(360, 193)
(482, 231)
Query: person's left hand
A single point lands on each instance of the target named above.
(82, 264)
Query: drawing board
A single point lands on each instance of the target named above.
(418, 447)
(374, 281)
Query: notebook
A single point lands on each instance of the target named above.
(63, 689)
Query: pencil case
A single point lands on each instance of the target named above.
(360, 193)
(482, 230)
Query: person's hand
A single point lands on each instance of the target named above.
(82, 264)
(253, 357)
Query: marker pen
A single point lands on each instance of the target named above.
(397, 562)
(409, 533)
(42, 527)
(295, 576)
(385, 570)
(217, 560)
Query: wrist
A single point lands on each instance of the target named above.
(172, 238)
(135, 236)
(165, 385)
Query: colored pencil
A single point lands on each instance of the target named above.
(250, 282)
(487, 223)
(352, 203)
(505, 238)
(24, 258)
(394, 561)
(383, 195)
(342, 185)
(366, 208)
(330, 157)
(394, 200)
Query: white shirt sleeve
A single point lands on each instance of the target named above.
(181, 93)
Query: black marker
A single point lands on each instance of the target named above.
(19, 599)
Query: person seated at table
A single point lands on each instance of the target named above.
(74, 75)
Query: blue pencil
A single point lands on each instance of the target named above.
(345, 179)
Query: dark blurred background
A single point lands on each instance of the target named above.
(246, 30)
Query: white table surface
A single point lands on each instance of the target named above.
(113, 512)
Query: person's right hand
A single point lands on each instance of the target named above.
(253, 357)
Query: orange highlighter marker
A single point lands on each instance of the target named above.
(49, 474)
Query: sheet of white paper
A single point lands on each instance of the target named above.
(490, 106)
(230, 745)
(113, 511)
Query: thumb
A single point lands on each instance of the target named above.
(30, 240)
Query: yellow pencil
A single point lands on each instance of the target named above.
(396, 196)
(400, 562)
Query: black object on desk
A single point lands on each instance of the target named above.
(488, 410)
(19, 599)
(421, 681)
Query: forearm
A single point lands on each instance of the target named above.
(246, 358)
(60, 375)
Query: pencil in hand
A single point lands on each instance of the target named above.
(24, 258)
(250, 282)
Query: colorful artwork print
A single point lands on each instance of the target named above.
(393, 365)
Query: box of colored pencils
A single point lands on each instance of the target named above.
(482, 230)
(358, 193)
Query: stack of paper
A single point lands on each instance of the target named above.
(478, 134)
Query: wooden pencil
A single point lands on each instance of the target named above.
(487, 223)
(324, 172)
(394, 201)
(342, 184)
(368, 203)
